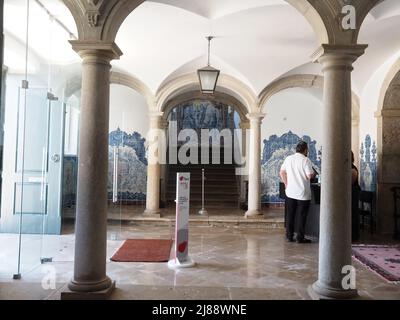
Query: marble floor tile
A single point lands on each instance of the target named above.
(231, 263)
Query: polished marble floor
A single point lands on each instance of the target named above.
(232, 263)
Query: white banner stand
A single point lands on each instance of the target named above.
(182, 259)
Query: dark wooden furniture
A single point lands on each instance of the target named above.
(366, 209)
(396, 211)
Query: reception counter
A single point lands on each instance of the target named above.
(312, 225)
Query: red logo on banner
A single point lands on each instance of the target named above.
(182, 246)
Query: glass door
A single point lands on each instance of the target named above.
(117, 170)
(32, 208)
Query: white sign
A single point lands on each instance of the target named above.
(182, 259)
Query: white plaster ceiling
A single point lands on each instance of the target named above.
(213, 9)
(257, 41)
(381, 32)
(253, 44)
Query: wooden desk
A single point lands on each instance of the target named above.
(312, 225)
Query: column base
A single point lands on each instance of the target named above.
(85, 291)
(317, 292)
(152, 213)
(203, 212)
(253, 214)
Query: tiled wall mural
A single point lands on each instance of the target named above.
(132, 165)
(276, 149)
(203, 114)
(199, 114)
(368, 165)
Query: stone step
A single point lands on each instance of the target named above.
(212, 178)
(196, 220)
(210, 197)
(209, 204)
(208, 190)
(209, 176)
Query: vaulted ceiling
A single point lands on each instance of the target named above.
(257, 41)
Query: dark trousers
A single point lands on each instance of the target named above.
(300, 209)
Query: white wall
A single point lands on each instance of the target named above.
(298, 110)
(128, 110)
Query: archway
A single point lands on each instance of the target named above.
(213, 121)
(102, 23)
(228, 86)
(101, 19)
(388, 147)
(313, 81)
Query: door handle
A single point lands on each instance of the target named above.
(115, 176)
(55, 158)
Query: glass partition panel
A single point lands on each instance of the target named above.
(116, 174)
(30, 187)
(39, 65)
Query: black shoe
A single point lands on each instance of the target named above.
(289, 239)
(304, 240)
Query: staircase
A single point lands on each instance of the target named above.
(221, 187)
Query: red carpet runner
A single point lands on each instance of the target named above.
(143, 250)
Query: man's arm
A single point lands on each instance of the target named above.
(311, 176)
(310, 170)
(283, 175)
(354, 176)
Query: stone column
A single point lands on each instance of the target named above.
(335, 216)
(91, 213)
(156, 154)
(164, 167)
(254, 158)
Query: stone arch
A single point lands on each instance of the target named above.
(135, 84)
(316, 19)
(226, 85)
(217, 97)
(119, 14)
(101, 19)
(301, 81)
(364, 8)
(312, 81)
(388, 146)
(74, 84)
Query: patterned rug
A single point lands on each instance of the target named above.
(384, 260)
(143, 250)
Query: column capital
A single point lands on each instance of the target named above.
(244, 125)
(155, 115)
(101, 50)
(164, 124)
(255, 117)
(156, 120)
(338, 56)
(388, 113)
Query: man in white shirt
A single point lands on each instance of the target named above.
(296, 173)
